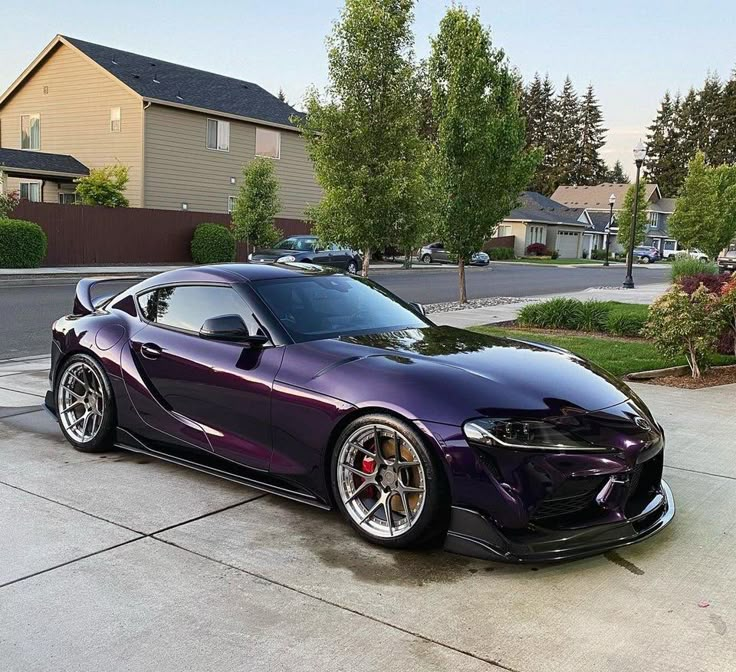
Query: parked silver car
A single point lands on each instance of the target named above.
(436, 252)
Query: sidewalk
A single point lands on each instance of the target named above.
(504, 313)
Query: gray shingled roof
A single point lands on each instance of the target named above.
(534, 207)
(181, 85)
(599, 220)
(20, 160)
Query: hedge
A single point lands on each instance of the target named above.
(22, 244)
(212, 244)
(501, 253)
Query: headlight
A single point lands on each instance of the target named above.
(522, 434)
(250, 257)
(286, 259)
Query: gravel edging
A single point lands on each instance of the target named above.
(490, 302)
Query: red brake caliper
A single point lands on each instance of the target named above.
(368, 465)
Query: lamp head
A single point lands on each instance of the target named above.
(640, 152)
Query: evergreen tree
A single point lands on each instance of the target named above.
(538, 108)
(723, 148)
(660, 145)
(590, 168)
(566, 138)
(705, 115)
(282, 96)
(616, 175)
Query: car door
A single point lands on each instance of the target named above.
(440, 253)
(222, 387)
(339, 256)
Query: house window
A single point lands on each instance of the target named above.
(218, 135)
(115, 120)
(504, 230)
(536, 234)
(67, 198)
(31, 191)
(268, 143)
(30, 131)
(230, 204)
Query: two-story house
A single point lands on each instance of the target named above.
(594, 202)
(184, 134)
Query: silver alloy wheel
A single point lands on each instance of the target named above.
(352, 267)
(381, 480)
(80, 401)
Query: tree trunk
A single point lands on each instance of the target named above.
(693, 361)
(366, 262)
(461, 281)
(407, 259)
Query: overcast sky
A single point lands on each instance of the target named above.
(630, 50)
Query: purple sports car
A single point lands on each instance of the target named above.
(325, 388)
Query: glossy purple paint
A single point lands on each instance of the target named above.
(276, 410)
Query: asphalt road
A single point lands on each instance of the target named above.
(27, 311)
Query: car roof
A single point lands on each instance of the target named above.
(235, 272)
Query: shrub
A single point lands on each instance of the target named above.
(629, 321)
(212, 244)
(557, 313)
(553, 253)
(501, 253)
(22, 244)
(727, 342)
(600, 254)
(8, 200)
(593, 316)
(104, 186)
(682, 324)
(713, 283)
(536, 249)
(683, 266)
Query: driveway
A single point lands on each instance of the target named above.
(116, 561)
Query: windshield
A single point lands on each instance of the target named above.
(300, 244)
(312, 308)
(731, 253)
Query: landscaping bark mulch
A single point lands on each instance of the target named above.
(719, 375)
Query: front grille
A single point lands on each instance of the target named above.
(644, 481)
(573, 496)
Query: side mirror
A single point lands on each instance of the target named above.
(419, 308)
(229, 328)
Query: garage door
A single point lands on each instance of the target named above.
(567, 244)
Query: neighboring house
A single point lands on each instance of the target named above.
(538, 219)
(594, 200)
(185, 134)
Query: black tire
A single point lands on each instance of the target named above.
(352, 267)
(103, 440)
(646, 260)
(430, 527)
(427, 259)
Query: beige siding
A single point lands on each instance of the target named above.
(180, 169)
(74, 97)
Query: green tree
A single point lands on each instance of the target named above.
(538, 108)
(616, 175)
(257, 204)
(104, 186)
(705, 213)
(482, 165)
(590, 169)
(364, 137)
(724, 134)
(625, 216)
(662, 164)
(566, 137)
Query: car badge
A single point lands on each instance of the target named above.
(643, 424)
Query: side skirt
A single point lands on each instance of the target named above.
(218, 467)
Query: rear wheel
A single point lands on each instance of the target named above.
(387, 484)
(427, 259)
(85, 405)
(646, 260)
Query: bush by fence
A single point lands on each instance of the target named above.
(212, 244)
(22, 244)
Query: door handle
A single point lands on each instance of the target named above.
(151, 351)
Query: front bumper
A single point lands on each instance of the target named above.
(473, 534)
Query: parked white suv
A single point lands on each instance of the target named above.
(694, 253)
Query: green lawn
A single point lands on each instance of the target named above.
(619, 356)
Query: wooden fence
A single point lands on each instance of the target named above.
(80, 235)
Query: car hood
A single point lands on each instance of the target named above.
(444, 374)
(273, 253)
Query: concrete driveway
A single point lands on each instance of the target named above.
(118, 562)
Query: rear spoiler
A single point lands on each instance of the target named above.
(83, 303)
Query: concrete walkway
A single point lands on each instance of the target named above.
(117, 561)
(505, 313)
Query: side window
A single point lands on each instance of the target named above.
(188, 306)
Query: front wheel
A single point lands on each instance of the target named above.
(427, 259)
(646, 260)
(85, 406)
(352, 267)
(388, 485)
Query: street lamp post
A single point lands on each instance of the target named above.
(609, 226)
(640, 151)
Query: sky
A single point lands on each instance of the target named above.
(632, 51)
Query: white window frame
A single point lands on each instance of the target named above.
(218, 122)
(231, 204)
(116, 118)
(278, 143)
(38, 183)
(30, 135)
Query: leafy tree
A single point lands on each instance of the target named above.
(625, 216)
(8, 199)
(482, 165)
(104, 186)
(616, 175)
(567, 133)
(590, 167)
(686, 325)
(363, 138)
(728, 307)
(257, 204)
(705, 214)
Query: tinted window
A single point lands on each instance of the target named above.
(300, 244)
(187, 307)
(311, 308)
